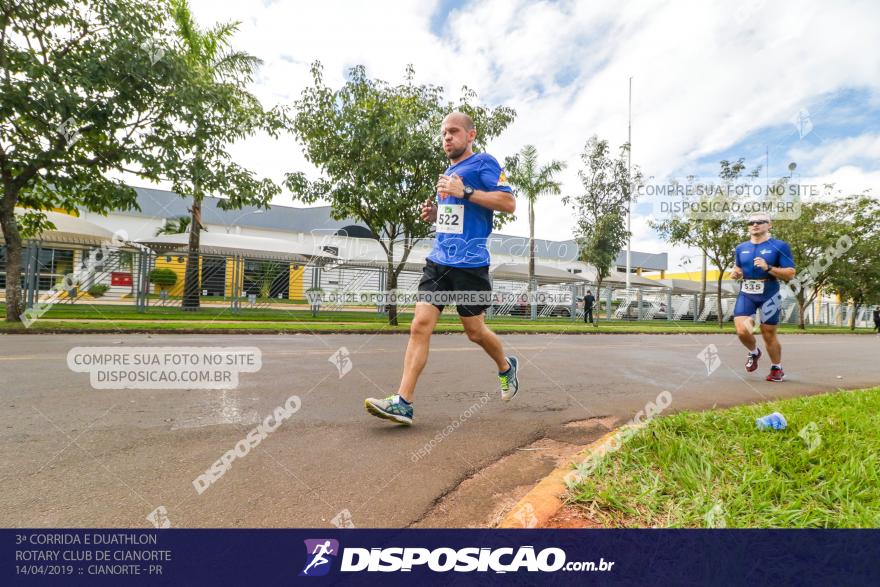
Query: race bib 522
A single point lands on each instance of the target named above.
(450, 218)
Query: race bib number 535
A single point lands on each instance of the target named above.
(753, 286)
(450, 218)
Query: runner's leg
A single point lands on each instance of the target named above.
(744, 327)
(477, 331)
(420, 330)
(774, 349)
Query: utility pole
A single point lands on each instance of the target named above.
(629, 200)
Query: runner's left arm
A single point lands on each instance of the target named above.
(496, 193)
(785, 269)
(498, 201)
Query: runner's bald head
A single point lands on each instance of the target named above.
(457, 133)
(460, 118)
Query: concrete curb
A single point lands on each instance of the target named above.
(540, 504)
(405, 331)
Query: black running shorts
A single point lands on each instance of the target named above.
(440, 278)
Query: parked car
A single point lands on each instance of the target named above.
(711, 317)
(525, 310)
(647, 307)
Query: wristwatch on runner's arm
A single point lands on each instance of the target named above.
(468, 192)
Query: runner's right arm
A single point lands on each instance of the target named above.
(736, 272)
(429, 211)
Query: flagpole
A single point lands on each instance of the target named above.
(629, 200)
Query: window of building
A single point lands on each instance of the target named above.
(53, 265)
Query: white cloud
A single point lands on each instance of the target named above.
(705, 75)
(828, 156)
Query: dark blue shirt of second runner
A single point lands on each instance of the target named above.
(775, 252)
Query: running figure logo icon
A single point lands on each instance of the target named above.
(319, 554)
(710, 358)
(342, 360)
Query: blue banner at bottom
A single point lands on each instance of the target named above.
(527, 557)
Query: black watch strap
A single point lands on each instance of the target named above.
(468, 192)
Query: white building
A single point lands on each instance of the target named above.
(349, 239)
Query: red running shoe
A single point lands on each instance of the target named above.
(776, 374)
(752, 361)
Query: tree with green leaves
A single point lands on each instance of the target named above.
(715, 237)
(220, 110)
(811, 236)
(83, 84)
(177, 225)
(267, 273)
(378, 149)
(532, 181)
(855, 276)
(600, 211)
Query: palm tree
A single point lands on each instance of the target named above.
(214, 64)
(532, 181)
(177, 225)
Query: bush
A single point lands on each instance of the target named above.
(163, 277)
(97, 290)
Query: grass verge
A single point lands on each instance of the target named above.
(344, 324)
(715, 469)
(115, 318)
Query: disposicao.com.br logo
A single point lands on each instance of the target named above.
(441, 560)
(319, 556)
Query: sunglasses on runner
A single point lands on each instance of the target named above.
(755, 222)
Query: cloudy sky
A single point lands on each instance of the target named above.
(711, 80)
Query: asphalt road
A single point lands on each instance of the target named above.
(78, 456)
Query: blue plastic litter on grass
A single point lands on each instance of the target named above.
(774, 421)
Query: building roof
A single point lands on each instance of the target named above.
(219, 243)
(544, 274)
(164, 204)
(648, 261)
(72, 230)
(567, 250)
(158, 203)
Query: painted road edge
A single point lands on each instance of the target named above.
(544, 500)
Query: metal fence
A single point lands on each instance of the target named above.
(130, 276)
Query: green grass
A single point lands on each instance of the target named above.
(679, 468)
(107, 317)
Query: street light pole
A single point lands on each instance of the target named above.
(629, 199)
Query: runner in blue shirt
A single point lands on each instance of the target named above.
(468, 194)
(761, 262)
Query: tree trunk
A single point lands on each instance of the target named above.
(802, 304)
(852, 317)
(191, 277)
(391, 286)
(718, 301)
(14, 304)
(533, 303)
(596, 303)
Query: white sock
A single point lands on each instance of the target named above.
(775, 366)
(755, 352)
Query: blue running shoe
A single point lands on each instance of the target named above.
(390, 408)
(509, 382)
